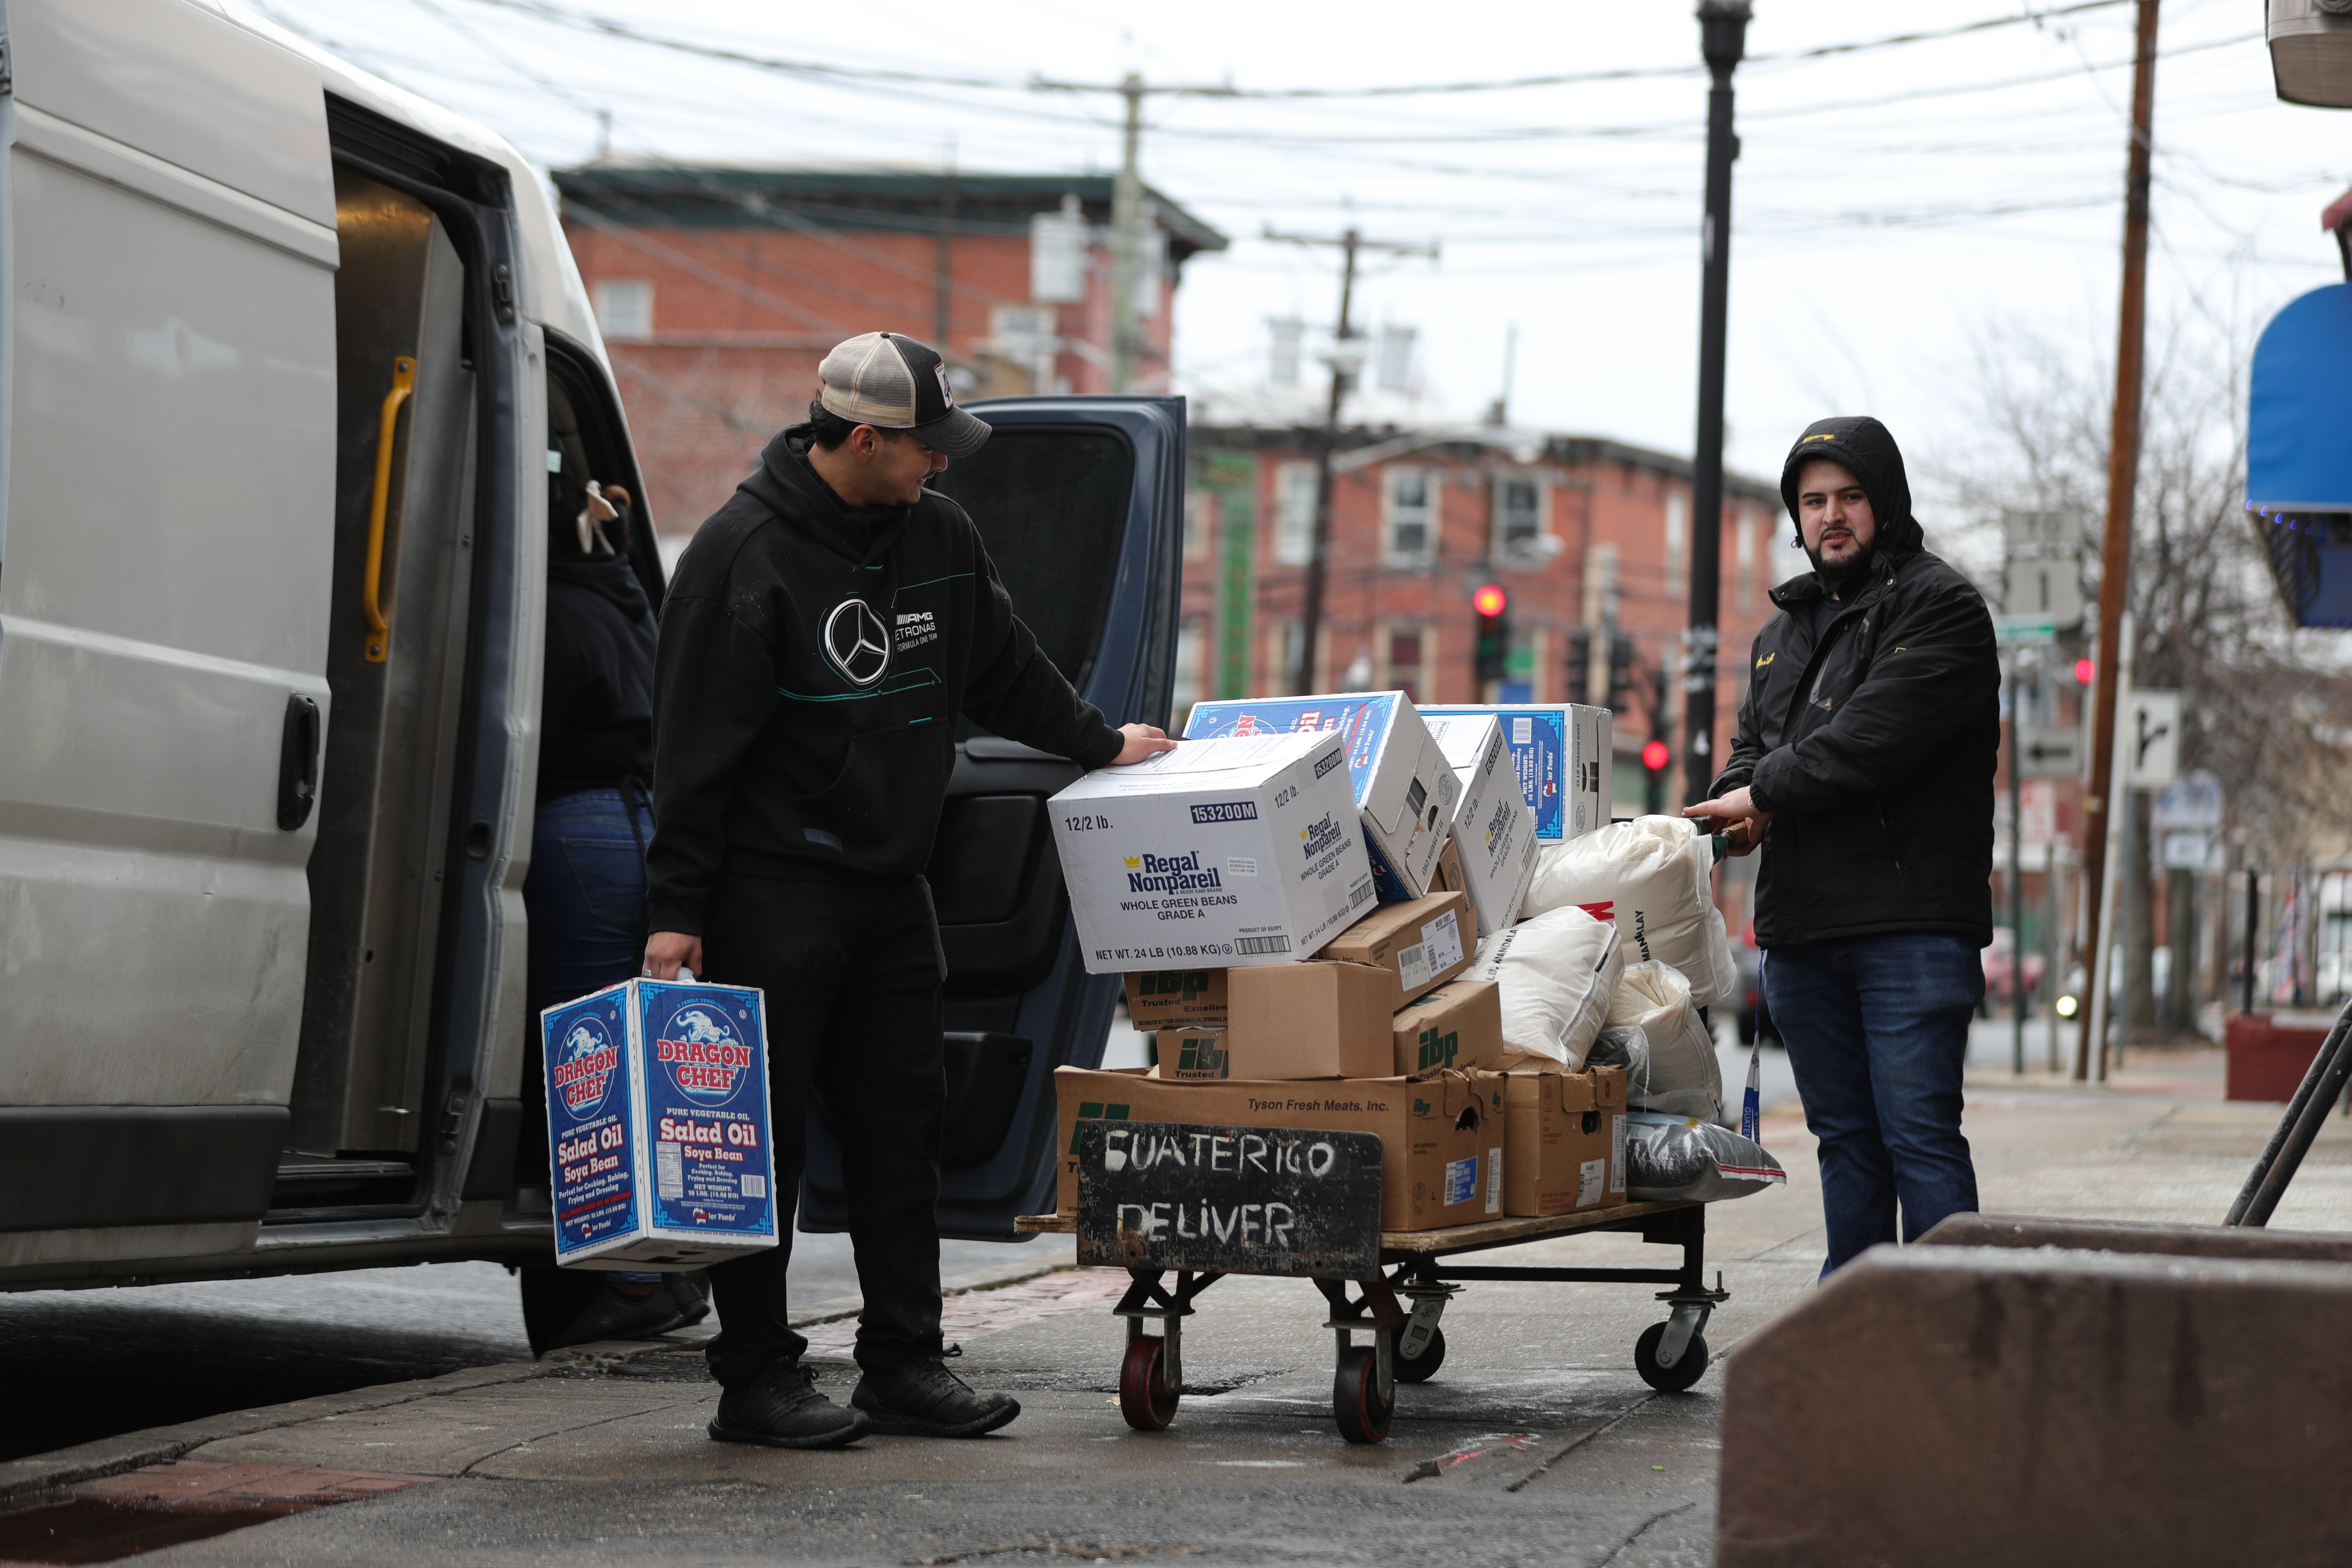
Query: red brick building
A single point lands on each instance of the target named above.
(719, 288)
(1589, 538)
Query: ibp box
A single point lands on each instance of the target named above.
(1220, 854)
(658, 1125)
(1561, 752)
(1494, 834)
(1404, 789)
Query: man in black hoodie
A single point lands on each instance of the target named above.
(825, 631)
(1864, 764)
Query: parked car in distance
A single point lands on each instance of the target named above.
(1755, 1018)
(2000, 967)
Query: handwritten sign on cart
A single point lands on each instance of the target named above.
(1241, 1200)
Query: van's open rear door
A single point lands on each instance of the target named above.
(1081, 503)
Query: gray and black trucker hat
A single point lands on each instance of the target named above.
(894, 382)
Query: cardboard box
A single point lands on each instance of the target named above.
(1561, 752)
(658, 1126)
(1459, 1026)
(1493, 835)
(1442, 1137)
(1404, 788)
(1176, 999)
(1218, 853)
(1449, 877)
(1567, 1142)
(1422, 943)
(1310, 1020)
(1191, 1054)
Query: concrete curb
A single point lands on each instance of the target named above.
(27, 1478)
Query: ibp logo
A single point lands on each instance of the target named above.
(705, 1058)
(584, 1074)
(1438, 1050)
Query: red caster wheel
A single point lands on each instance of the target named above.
(1144, 1396)
(1356, 1402)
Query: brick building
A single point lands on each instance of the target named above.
(719, 289)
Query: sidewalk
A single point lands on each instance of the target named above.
(1535, 1443)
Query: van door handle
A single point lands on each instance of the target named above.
(404, 382)
(297, 763)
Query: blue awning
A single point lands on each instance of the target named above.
(2299, 454)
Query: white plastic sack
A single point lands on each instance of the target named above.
(1677, 1072)
(1557, 975)
(1674, 1157)
(1654, 876)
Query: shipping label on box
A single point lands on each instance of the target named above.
(1560, 753)
(1422, 943)
(658, 1125)
(1191, 1054)
(1404, 789)
(1221, 853)
(1176, 999)
(1442, 1136)
(1494, 835)
(1459, 1024)
(1310, 1020)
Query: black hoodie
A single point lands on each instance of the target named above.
(1873, 745)
(597, 709)
(814, 661)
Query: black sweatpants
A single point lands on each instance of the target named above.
(851, 972)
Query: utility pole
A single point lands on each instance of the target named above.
(1127, 210)
(1346, 355)
(946, 269)
(2115, 552)
(1723, 40)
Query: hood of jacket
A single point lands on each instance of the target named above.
(798, 494)
(1868, 450)
(609, 577)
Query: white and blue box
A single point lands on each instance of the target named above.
(1405, 789)
(1561, 752)
(1494, 831)
(658, 1125)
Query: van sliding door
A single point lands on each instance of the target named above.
(1080, 500)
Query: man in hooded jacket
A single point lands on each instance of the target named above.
(1863, 763)
(824, 633)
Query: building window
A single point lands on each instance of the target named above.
(1200, 524)
(1409, 532)
(1191, 670)
(1281, 674)
(1678, 544)
(1743, 593)
(1601, 585)
(1405, 660)
(1518, 518)
(1294, 514)
(624, 309)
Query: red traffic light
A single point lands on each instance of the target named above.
(1490, 600)
(2083, 671)
(1654, 756)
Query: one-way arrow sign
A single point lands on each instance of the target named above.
(2049, 751)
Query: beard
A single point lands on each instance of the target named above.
(1837, 575)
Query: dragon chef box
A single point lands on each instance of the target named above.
(1404, 786)
(1561, 752)
(1220, 854)
(658, 1125)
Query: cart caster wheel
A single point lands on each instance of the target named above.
(1422, 1367)
(1144, 1396)
(1669, 1379)
(1356, 1402)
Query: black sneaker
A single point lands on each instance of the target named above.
(692, 1293)
(924, 1399)
(609, 1315)
(782, 1409)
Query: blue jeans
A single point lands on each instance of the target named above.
(1877, 1031)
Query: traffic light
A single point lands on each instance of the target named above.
(1620, 671)
(1657, 754)
(1580, 666)
(1493, 644)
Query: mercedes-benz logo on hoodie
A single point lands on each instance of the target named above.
(856, 642)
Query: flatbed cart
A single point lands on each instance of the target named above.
(1403, 1342)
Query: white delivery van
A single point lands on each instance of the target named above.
(285, 357)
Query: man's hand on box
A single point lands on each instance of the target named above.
(667, 951)
(1736, 816)
(1143, 741)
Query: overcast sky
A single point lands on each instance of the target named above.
(1897, 209)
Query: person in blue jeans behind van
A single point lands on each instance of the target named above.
(1864, 762)
(585, 893)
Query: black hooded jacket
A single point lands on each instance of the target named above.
(814, 661)
(597, 709)
(1874, 746)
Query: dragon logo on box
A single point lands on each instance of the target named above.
(584, 1075)
(700, 1049)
